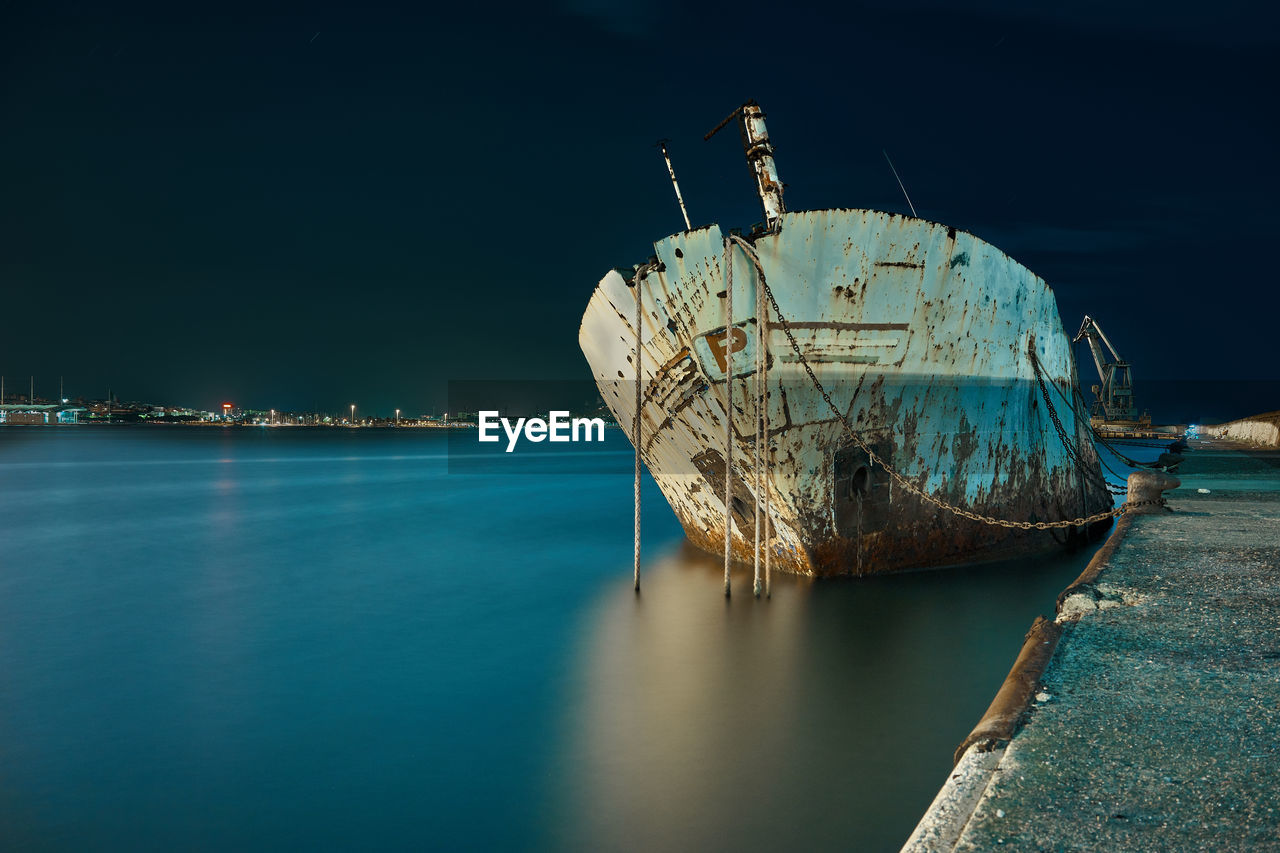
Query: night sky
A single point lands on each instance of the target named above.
(329, 204)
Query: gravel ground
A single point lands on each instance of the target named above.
(1157, 726)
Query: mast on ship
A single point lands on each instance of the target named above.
(759, 151)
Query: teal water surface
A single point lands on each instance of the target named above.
(321, 639)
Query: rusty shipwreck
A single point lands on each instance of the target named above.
(942, 360)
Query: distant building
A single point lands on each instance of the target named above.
(33, 415)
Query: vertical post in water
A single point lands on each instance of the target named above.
(764, 426)
(728, 409)
(636, 432)
(755, 450)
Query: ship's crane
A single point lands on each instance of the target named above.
(1115, 395)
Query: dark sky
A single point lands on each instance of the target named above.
(201, 202)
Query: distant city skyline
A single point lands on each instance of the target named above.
(25, 394)
(24, 389)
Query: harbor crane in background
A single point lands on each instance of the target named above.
(1115, 395)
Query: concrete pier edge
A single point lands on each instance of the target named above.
(949, 813)
(1100, 559)
(979, 754)
(1005, 713)
(1153, 725)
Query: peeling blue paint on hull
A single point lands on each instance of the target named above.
(919, 331)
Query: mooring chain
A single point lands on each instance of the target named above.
(1125, 459)
(1097, 435)
(1117, 491)
(898, 478)
(1146, 444)
(1073, 452)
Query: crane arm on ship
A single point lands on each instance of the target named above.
(759, 151)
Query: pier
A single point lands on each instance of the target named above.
(1145, 714)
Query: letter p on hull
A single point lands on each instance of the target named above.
(714, 356)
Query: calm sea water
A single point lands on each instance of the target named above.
(322, 639)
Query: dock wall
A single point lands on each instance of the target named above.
(1262, 430)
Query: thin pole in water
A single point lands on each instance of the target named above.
(728, 411)
(636, 433)
(764, 425)
(755, 450)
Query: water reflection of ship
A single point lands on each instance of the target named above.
(936, 346)
(820, 721)
(657, 744)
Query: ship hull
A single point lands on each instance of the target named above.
(920, 335)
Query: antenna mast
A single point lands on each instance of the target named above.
(899, 180)
(662, 143)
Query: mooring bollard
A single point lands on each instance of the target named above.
(1146, 489)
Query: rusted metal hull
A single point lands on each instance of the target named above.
(918, 331)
